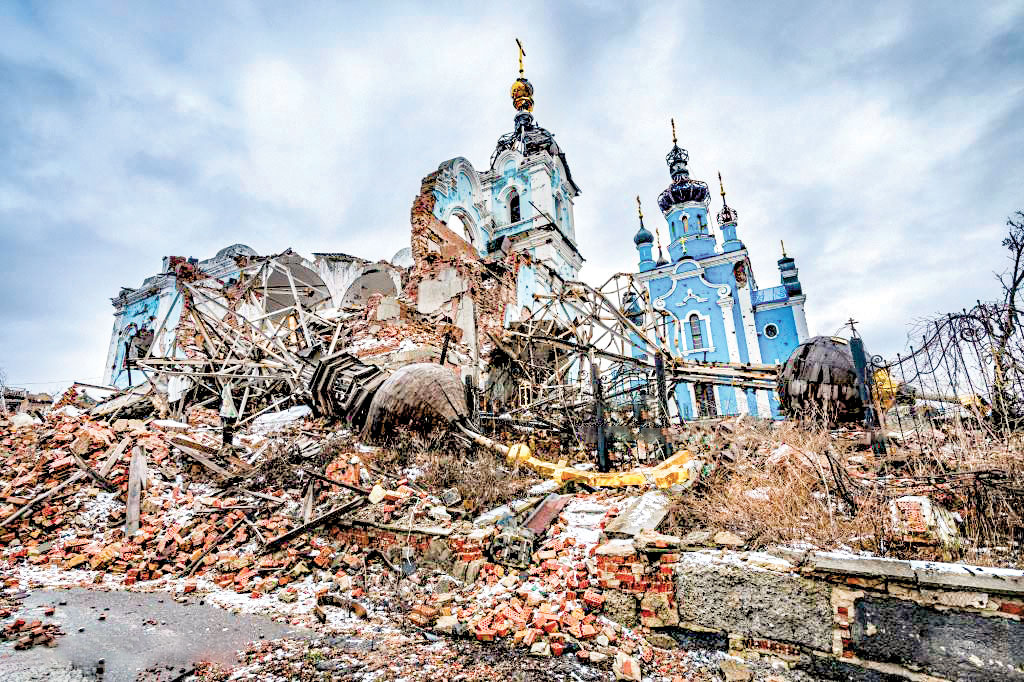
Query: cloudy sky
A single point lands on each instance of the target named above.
(884, 144)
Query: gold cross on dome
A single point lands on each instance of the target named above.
(522, 53)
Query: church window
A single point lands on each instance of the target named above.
(771, 331)
(558, 210)
(706, 404)
(458, 219)
(696, 336)
(513, 207)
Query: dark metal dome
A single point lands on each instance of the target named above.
(682, 192)
(682, 189)
(528, 138)
(643, 236)
(819, 378)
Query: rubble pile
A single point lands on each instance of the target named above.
(324, 545)
(26, 635)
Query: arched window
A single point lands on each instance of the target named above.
(558, 211)
(696, 337)
(513, 207)
(460, 219)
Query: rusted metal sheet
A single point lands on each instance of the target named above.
(546, 512)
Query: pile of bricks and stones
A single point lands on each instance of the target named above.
(557, 606)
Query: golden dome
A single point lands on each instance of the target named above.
(522, 95)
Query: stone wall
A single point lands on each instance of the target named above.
(838, 617)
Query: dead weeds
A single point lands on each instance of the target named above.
(798, 483)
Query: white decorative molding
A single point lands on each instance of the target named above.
(774, 306)
(801, 322)
(690, 296)
(741, 400)
(749, 330)
(723, 290)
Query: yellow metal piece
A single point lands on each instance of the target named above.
(668, 473)
(522, 53)
(520, 452)
(885, 388)
(674, 140)
(522, 95)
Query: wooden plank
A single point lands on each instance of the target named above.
(136, 474)
(113, 455)
(326, 479)
(92, 473)
(42, 496)
(307, 501)
(202, 459)
(318, 521)
(547, 512)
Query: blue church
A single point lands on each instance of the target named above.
(706, 302)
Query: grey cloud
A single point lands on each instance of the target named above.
(128, 136)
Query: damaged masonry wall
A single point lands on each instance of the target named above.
(450, 281)
(843, 617)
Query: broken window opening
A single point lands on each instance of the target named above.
(706, 405)
(513, 207)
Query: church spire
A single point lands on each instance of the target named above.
(661, 256)
(643, 235)
(727, 214)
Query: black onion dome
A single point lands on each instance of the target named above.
(682, 189)
(727, 215)
(680, 192)
(643, 236)
(677, 158)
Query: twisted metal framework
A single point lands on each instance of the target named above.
(260, 334)
(584, 345)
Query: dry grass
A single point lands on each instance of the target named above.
(481, 477)
(808, 497)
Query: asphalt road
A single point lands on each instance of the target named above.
(138, 633)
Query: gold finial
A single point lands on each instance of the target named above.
(674, 140)
(522, 91)
(657, 233)
(783, 248)
(721, 186)
(639, 211)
